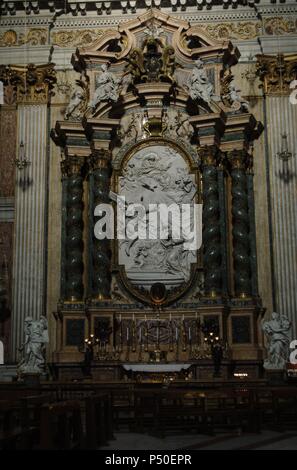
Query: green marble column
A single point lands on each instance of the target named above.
(240, 223)
(211, 237)
(73, 256)
(101, 249)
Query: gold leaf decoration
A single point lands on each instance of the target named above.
(279, 25)
(241, 30)
(83, 37)
(34, 37)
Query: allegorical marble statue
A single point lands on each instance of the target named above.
(131, 128)
(177, 123)
(74, 103)
(198, 83)
(33, 348)
(107, 87)
(78, 102)
(235, 98)
(277, 333)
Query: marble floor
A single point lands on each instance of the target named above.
(266, 440)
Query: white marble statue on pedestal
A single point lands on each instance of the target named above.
(277, 333)
(198, 83)
(234, 97)
(33, 348)
(107, 87)
(74, 103)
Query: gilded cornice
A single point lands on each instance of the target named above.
(276, 72)
(33, 83)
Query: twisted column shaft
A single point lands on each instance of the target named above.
(212, 255)
(101, 249)
(241, 223)
(74, 229)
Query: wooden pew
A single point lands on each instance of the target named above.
(123, 407)
(99, 420)
(10, 427)
(31, 418)
(285, 409)
(61, 426)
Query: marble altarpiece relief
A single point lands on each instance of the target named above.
(159, 124)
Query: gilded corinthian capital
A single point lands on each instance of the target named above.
(33, 83)
(276, 72)
(209, 155)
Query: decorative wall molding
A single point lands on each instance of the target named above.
(33, 37)
(278, 25)
(80, 37)
(232, 30)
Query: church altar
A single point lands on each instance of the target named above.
(156, 367)
(157, 122)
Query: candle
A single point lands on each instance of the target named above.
(120, 318)
(127, 334)
(189, 333)
(170, 317)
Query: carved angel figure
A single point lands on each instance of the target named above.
(198, 83)
(134, 70)
(107, 88)
(130, 128)
(36, 336)
(168, 68)
(277, 332)
(235, 98)
(78, 102)
(177, 123)
(75, 101)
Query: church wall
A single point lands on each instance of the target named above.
(37, 237)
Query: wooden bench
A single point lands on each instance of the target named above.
(99, 420)
(11, 432)
(61, 426)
